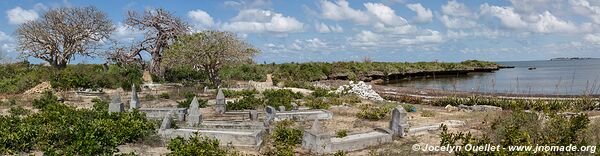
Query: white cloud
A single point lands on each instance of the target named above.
(4, 37)
(385, 14)
(584, 8)
(260, 21)
(315, 43)
(454, 8)
(592, 38)
(200, 17)
(18, 15)
(432, 37)
(365, 38)
(125, 33)
(457, 22)
(324, 28)
(549, 23)
(508, 17)
(341, 10)
(423, 15)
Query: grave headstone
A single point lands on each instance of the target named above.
(316, 127)
(205, 90)
(253, 115)
(270, 111)
(115, 105)
(166, 122)
(282, 108)
(134, 103)
(194, 116)
(294, 106)
(220, 102)
(398, 123)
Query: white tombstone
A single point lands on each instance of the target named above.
(398, 125)
(134, 103)
(194, 115)
(115, 105)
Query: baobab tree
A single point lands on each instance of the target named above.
(61, 33)
(209, 51)
(161, 28)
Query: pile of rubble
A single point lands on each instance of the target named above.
(40, 88)
(361, 89)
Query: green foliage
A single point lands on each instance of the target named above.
(580, 104)
(246, 103)
(9, 102)
(285, 138)
(340, 153)
(184, 74)
(373, 112)
(525, 129)
(317, 103)
(47, 98)
(58, 129)
(164, 95)
(427, 113)
(298, 84)
(281, 97)
(197, 145)
(238, 93)
(188, 100)
(409, 107)
(18, 111)
(320, 92)
(341, 133)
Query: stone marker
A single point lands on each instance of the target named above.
(194, 116)
(147, 77)
(166, 122)
(269, 81)
(316, 127)
(205, 90)
(270, 115)
(294, 106)
(116, 105)
(220, 102)
(253, 115)
(134, 103)
(398, 123)
(282, 108)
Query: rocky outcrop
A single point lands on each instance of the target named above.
(361, 89)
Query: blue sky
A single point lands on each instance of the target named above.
(387, 30)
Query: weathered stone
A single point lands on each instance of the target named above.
(316, 127)
(398, 123)
(269, 80)
(220, 105)
(451, 108)
(159, 113)
(116, 105)
(194, 116)
(294, 106)
(205, 89)
(147, 77)
(253, 115)
(270, 115)
(303, 115)
(166, 123)
(134, 103)
(485, 108)
(282, 108)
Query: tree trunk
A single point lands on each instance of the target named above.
(213, 75)
(155, 66)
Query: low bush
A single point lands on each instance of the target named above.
(521, 128)
(58, 129)
(188, 100)
(581, 104)
(164, 95)
(238, 93)
(246, 103)
(198, 145)
(409, 107)
(281, 97)
(317, 103)
(285, 138)
(373, 112)
(341, 133)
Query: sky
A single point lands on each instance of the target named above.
(340, 30)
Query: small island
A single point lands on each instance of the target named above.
(571, 58)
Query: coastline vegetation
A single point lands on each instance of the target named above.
(579, 104)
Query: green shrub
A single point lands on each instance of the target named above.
(427, 113)
(238, 93)
(580, 104)
(285, 138)
(58, 129)
(246, 103)
(198, 145)
(47, 98)
(317, 103)
(409, 107)
(164, 95)
(281, 97)
(373, 112)
(188, 100)
(320, 92)
(341, 133)
(340, 153)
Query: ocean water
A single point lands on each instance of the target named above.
(560, 77)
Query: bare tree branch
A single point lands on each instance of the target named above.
(62, 33)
